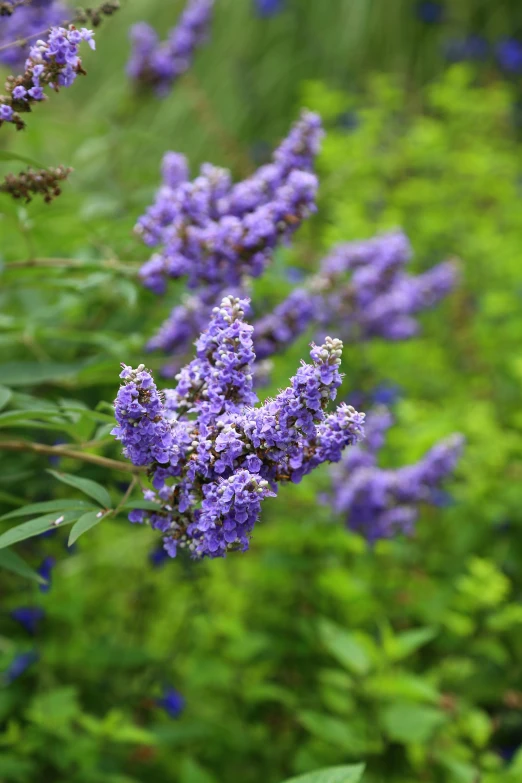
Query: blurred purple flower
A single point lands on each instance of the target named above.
(509, 55)
(267, 8)
(157, 557)
(19, 665)
(430, 12)
(386, 394)
(172, 702)
(45, 570)
(29, 617)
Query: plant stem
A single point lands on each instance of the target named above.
(60, 451)
(127, 495)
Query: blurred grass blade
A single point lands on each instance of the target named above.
(20, 158)
(13, 562)
(5, 396)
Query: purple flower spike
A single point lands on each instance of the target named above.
(212, 456)
(379, 503)
(159, 64)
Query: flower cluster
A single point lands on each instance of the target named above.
(363, 290)
(379, 502)
(53, 62)
(44, 182)
(158, 64)
(213, 232)
(213, 457)
(27, 20)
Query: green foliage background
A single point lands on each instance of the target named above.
(311, 650)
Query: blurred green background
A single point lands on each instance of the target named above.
(312, 649)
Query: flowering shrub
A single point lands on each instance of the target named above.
(312, 650)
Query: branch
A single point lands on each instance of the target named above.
(60, 451)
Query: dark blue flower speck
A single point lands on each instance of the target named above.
(386, 394)
(19, 665)
(430, 12)
(158, 557)
(509, 55)
(172, 702)
(29, 617)
(268, 8)
(45, 570)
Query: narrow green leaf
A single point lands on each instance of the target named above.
(32, 373)
(36, 526)
(408, 642)
(88, 520)
(5, 396)
(350, 774)
(87, 486)
(13, 562)
(20, 158)
(48, 505)
(11, 417)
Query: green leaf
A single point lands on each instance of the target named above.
(403, 644)
(341, 733)
(397, 685)
(11, 417)
(20, 158)
(88, 520)
(87, 486)
(5, 396)
(346, 647)
(32, 373)
(55, 709)
(411, 723)
(351, 774)
(48, 505)
(13, 562)
(34, 527)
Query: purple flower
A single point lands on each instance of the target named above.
(509, 55)
(386, 394)
(214, 233)
(158, 556)
(430, 12)
(24, 22)
(159, 64)
(267, 8)
(172, 702)
(19, 665)
(54, 62)
(29, 617)
(378, 502)
(363, 291)
(213, 457)
(45, 571)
